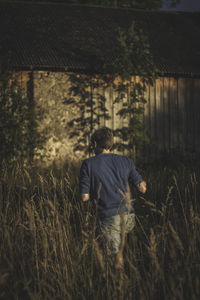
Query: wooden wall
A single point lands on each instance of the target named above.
(172, 114)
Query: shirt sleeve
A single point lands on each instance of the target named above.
(134, 176)
(84, 180)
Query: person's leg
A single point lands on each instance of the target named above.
(127, 223)
(112, 229)
(130, 222)
(111, 232)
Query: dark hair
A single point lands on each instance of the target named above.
(103, 138)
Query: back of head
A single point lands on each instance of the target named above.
(102, 139)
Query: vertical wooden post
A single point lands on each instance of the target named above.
(31, 105)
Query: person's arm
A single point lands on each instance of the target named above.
(85, 197)
(142, 187)
(136, 178)
(84, 182)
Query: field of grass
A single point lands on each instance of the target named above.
(48, 248)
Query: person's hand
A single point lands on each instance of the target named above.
(85, 197)
(142, 187)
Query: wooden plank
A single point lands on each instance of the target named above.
(177, 114)
(155, 114)
(191, 114)
(165, 100)
(143, 119)
(125, 121)
(159, 112)
(146, 109)
(197, 115)
(148, 112)
(182, 113)
(173, 130)
(169, 115)
(147, 119)
(139, 105)
(117, 120)
(187, 108)
(152, 116)
(162, 113)
(188, 114)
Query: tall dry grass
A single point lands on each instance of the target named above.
(48, 248)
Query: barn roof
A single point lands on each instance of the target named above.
(61, 36)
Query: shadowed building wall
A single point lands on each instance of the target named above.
(171, 116)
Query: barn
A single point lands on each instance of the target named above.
(48, 43)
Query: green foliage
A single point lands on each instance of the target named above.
(90, 105)
(13, 122)
(18, 127)
(133, 57)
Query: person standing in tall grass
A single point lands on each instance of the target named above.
(104, 179)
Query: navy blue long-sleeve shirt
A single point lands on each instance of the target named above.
(105, 178)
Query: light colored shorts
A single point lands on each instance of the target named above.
(110, 229)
